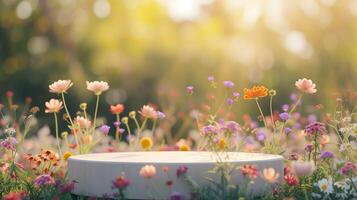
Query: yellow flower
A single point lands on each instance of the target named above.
(67, 155)
(222, 143)
(146, 143)
(132, 114)
(184, 147)
(125, 120)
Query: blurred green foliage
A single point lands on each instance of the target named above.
(145, 47)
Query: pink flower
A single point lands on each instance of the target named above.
(82, 122)
(303, 168)
(148, 171)
(53, 106)
(148, 112)
(97, 87)
(120, 182)
(15, 195)
(181, 170)
(306, 85)
(270, 175)
(60, 86)
(250, 170)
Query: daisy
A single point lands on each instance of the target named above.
(325, 185)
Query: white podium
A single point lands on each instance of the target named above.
(94, 173)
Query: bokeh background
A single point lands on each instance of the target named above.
(150, 49)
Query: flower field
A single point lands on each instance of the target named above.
(320, 150)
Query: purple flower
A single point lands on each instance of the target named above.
(294, 97)
(44, 179)
(104, 129)
(121, 130)
(210, 78)
(189, 90)
(236, 95)
(285, 107)
(261, 136)
(309, 148)
(177, 196)
(315, 127)
(287, 130)
(233, 126)
(297, 125)
(9, 143)
(160, 115)
(116, 124)
(208, 130)
(326, 155)
(230, 101)
(68, 187)
(284, 116)
(228, 84)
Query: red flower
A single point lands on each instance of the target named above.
(120, 182)
(250, 170)
(9, 94)
(181, 170)
(15, 196)
(117, 109)
(291, 180)
(169, 182)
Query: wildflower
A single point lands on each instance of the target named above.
(120, 183)
(349, 169)
(33, 110)
(210, 78)
(228, 84)
(233, 126)
(325, 185)
(53, 106)
(184, 147)
(181, 170)
(287, 130)
(284, 116)
(270, 175)
(250, 170)
(9, 93)
(236, 95)
(222, 143)
(9, 143)
(309, 148)
(64, 134)
(210, 129)
(125, 120)
(148, 171)
(60, 86)
(67, 155)
(10, 131)
(132, 114)
(272, 93)
(148, 112)
(104, 129)
(315, 127)
(261, 136)
(291, 180)
(285, 107)
(67, 188)
(303, 168)
(189, 90)
(44, 179)
(83, 106)
(82, 122)
(18, 195)
(117, 109)
(255, 92)
(160, 115)
(177, 196)
(146, 143)
(165, 168)
(230, 101)
(306, 85)
(97, 87)
(327, 155)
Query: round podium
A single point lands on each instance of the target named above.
(94, 173)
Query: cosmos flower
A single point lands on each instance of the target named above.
(97, 87)
(148, 112)
(82, 122)
(60, 86)
(53, 106)
(255, 92)
(306, 86)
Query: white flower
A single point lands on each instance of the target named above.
(60, 86)
(325, 185)
(97, 87)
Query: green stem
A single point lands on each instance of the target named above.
(296, 104)
(95, 112)
(271, 111)
(65, 107)
(57, 137)
(154, 127)
(117, 129)
(261, 113)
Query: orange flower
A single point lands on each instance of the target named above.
(117, 109)
(255, 92)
